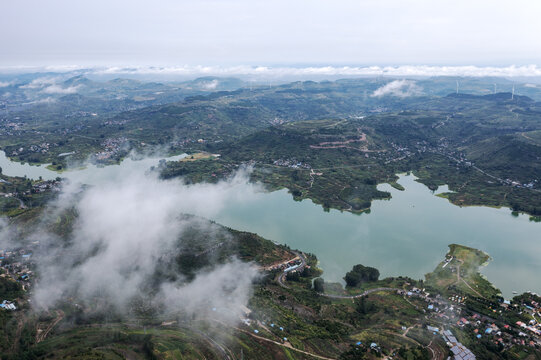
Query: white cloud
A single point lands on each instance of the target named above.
(4, 84)
(47, 100)
(57, 89)
(128, 228)
(210, 85)
(7, 234)
(404, 70)
(400, 88)
(285, 71)
(49, 85)
(40, 83)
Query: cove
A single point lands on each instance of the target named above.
(89, 174)
(14, 168)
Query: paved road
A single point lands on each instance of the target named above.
(483, 172)
(365, 293)
(284, 344)
(282, 282)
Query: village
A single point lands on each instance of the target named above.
(112, 147)
(17, 265)
(291, 163)
(449, 318)
(454, 313)
(22, 194)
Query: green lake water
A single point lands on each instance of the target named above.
(89, 174)
(407, 235)
(13, 168)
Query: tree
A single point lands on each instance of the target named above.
(363, 307)
(296, 193)
(293, 276)
(360, 274)
(319, 285)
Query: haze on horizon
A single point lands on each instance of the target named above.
(248, 32)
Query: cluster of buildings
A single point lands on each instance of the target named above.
(17, 265)
(270, 327)
(478, 326)
(436, 304)
(458, 299)
(7, 127)
(278, 121)
(532, 326)
(40, 148)
(292, 266)
(40, 187)
(114, 122)
(112, 147)
(504, 335)
(532, 306)
(8, 305)
(80, 113)
(398, 153)
(515, 183)
(460, 352)
(286, 266)
(44, 186)
(291, 163)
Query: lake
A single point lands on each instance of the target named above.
(406, 235)
(89, 174)
(13, 168)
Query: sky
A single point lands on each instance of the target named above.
(269, 33)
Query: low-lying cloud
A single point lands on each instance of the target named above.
(290, 71)
(47, 100)
(210, 85)
(39, 83)
(57, 89)
(50, 85)
(6, 234)
(126, 232)
(286, 71)
(399, 88)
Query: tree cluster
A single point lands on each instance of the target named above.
(360, 274)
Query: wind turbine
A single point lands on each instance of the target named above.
(457, 86)
(494, 88)
(513, 92)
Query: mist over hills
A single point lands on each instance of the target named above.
(136, 251)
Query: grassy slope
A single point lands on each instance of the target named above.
(461, 274)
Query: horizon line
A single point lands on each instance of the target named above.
(532, 70)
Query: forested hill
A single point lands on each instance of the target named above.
(478, 142)
(486, 148)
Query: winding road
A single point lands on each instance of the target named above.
(282, 282)
(365, 293)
